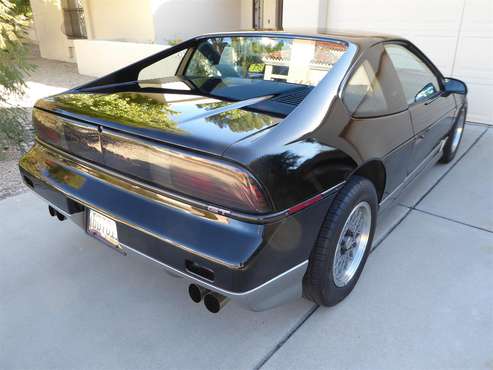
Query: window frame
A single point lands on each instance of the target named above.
(73, 14)
(409, 46)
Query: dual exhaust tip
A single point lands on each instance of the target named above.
(53, 212)
(213, 301)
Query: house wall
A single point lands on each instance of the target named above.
(178, 19)
(111, 55)
(127, 20)
(246, 18)
(48, 23)
(301, 14)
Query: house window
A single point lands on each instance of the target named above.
(74, 24)
(267, 14)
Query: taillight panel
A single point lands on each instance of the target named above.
(212, 181)
(205, 179)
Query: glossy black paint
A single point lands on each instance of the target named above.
(295, 152)
(454, 86)
(239, 253)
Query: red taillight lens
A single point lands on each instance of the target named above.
(48, 127)
(217, 183)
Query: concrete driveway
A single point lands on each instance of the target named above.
(425, 299)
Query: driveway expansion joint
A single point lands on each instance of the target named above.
(283, 341)
(452, 220)
(449, 169)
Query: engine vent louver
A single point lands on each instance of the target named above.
(293, 98)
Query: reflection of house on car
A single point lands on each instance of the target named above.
(103, 35)
(312, 62)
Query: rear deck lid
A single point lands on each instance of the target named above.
(172, 112)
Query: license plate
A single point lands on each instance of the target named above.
(103, 228)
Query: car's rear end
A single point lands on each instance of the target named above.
(142, 169)
(211, 222)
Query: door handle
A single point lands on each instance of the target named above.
(428, 102)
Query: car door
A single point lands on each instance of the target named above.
(432, 112)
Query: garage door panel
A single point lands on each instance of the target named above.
(439, 49)
(478, 18)
(474, 60)
(436, 17)
(480, 100)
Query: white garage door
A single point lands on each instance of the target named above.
(456, 34)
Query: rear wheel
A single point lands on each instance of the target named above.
(454, 138)
(343, 244)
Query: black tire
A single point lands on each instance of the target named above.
(318, 283)
(450, 150)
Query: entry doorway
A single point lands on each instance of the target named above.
(267, 14)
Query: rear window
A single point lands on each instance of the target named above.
(287, 60)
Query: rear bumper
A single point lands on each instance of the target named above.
(257, 265)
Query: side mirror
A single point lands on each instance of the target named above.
(427, 91)
(454, 86)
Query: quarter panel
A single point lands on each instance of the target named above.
(388, 138)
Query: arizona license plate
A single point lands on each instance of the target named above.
(103, 228)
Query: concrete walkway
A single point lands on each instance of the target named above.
(424, 301)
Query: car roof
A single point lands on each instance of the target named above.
(361, 38)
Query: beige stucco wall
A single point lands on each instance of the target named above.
(182, 19)
(98, 57)
(48, 22)
(124, 20)
(301, 14)
(246, 14)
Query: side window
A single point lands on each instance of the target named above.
(418, 81)
(363, 95)
(165, 67)
(374, 89)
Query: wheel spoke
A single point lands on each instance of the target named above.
(352, 244)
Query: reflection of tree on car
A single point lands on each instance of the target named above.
(63, 176)
(237, 120)
(135, 109)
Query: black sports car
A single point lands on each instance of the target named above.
(254, 164)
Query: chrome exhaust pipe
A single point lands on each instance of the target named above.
(214, 302)
(52, 211)
(196, 292)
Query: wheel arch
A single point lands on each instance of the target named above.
(374, 170)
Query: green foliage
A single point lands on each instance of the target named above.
(14, 19)
(256, 68)
(174, 42)
(134, 109)
(237, 120)
(12, 126)
(22, 7)
(13, 51)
